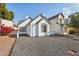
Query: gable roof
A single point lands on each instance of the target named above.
(42, 17)
(55, 16)
(24, 20)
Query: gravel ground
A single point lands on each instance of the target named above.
(44, 46)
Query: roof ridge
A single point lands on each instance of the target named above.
(24, 20)
(56, 15)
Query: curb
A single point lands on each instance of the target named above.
(12, 47)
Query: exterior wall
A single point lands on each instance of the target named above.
(60, 17)
(40, 33)
(34, 30)
(28, 29)
(7, 23)
(54, 26)
(62, 22)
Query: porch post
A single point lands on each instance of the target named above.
(18, 33)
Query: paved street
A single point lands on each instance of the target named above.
(44, 46)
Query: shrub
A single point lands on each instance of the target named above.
(6, 30)
(74, 32)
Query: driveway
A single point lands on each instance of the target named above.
(6, 44)
(45, 46)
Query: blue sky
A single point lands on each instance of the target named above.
(22, 10)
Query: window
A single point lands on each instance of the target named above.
(23, 29)
(43, 28)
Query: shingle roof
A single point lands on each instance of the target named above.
(24, 20)
(42, 18)
(55, 16)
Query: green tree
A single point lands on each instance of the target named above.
(4, 13)
(2, 5)
(74, 22)
(11, 15)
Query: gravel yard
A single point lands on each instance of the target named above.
(44, 46)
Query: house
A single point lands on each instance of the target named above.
(57, 23)
(41, 25)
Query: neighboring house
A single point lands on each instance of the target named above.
(41, 25)
(57, 23)
(6, 23)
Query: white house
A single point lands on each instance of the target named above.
(41, 25)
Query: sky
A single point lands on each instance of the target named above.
(23, 10)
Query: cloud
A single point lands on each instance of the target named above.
(67, 11)
(76, 4)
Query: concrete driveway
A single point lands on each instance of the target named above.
(45, 46)
(6, 44)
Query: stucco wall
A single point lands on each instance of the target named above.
(56, 27)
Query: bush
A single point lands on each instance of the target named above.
(75, 32)
(72, 31)
(6, 30)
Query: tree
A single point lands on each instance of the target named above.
(4, 13)
(2, 5)
(12, 15)
(74, 22)
(2, 8)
